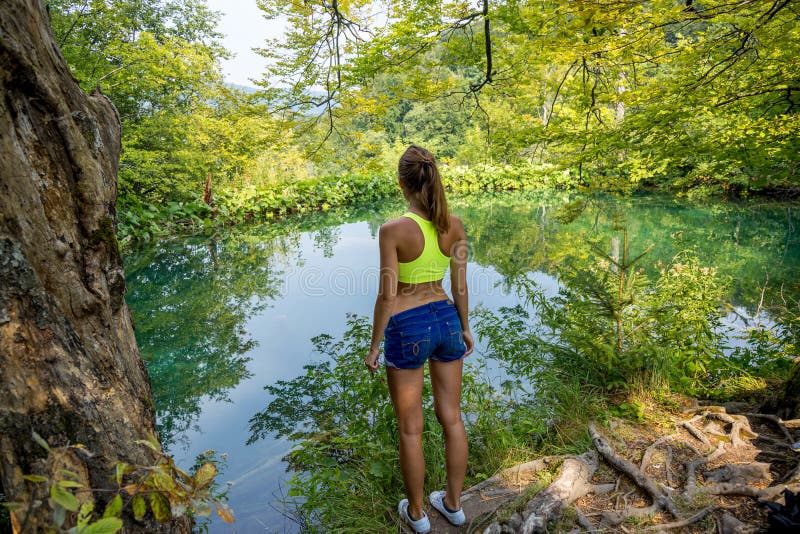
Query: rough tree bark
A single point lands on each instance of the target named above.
(69, 365)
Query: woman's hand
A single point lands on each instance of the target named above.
(468, 341)
(371, 361)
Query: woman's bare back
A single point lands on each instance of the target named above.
(409, 243)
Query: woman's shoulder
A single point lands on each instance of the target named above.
(457, 226)
(394, 226)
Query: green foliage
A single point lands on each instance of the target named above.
(159, 63)
(171, 491)
(144, 221)
(611, 328)
(343, 424)
(699, 97)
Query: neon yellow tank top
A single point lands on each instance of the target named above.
(431, 264)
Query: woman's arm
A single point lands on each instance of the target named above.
(387, 291)
(458, 282)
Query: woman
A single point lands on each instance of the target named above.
(420, 323)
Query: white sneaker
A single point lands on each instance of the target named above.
(456, 518)
(420, 526)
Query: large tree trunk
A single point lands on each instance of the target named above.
(69, 366)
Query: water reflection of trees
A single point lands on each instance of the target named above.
(190, 302)
(192, 298)
(747, 243)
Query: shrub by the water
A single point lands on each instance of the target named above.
(345, 463)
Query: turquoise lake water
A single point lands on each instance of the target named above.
(218, 318)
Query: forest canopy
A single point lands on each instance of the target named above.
(685, 96)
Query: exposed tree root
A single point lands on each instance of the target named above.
(725, 435)
(729, 524)
(778, 422)
(648, 453)
(685, 522)
(515, 474)
(694, 431)
(643, 481)
(764, 494)
(691, 468)
(572, 483)
(792, 476)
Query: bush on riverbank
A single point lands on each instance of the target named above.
(346, 475)
(140, 221)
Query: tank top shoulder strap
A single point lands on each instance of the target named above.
(417, 219)
(427, 227)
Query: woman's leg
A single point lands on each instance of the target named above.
(446, 381)
(405, 386)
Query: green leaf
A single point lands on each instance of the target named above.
(70, 474)
(204, 475)
(59, 516)
(40, 440)
(139, 506)
(69, 484)
(107, 525)
(378, 469)
(160, 506)
(63, 498)
(113, 508)
(35, 478)
(85, 514)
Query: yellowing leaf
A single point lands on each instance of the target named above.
(119, 471)
(139, 507)
(70, 484)
(160, 506)
(204, 475)
(225, 513)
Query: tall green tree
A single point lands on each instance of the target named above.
(625, 93)
(159, 63)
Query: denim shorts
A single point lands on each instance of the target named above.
(431, 331)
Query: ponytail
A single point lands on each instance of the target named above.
(420, 175)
